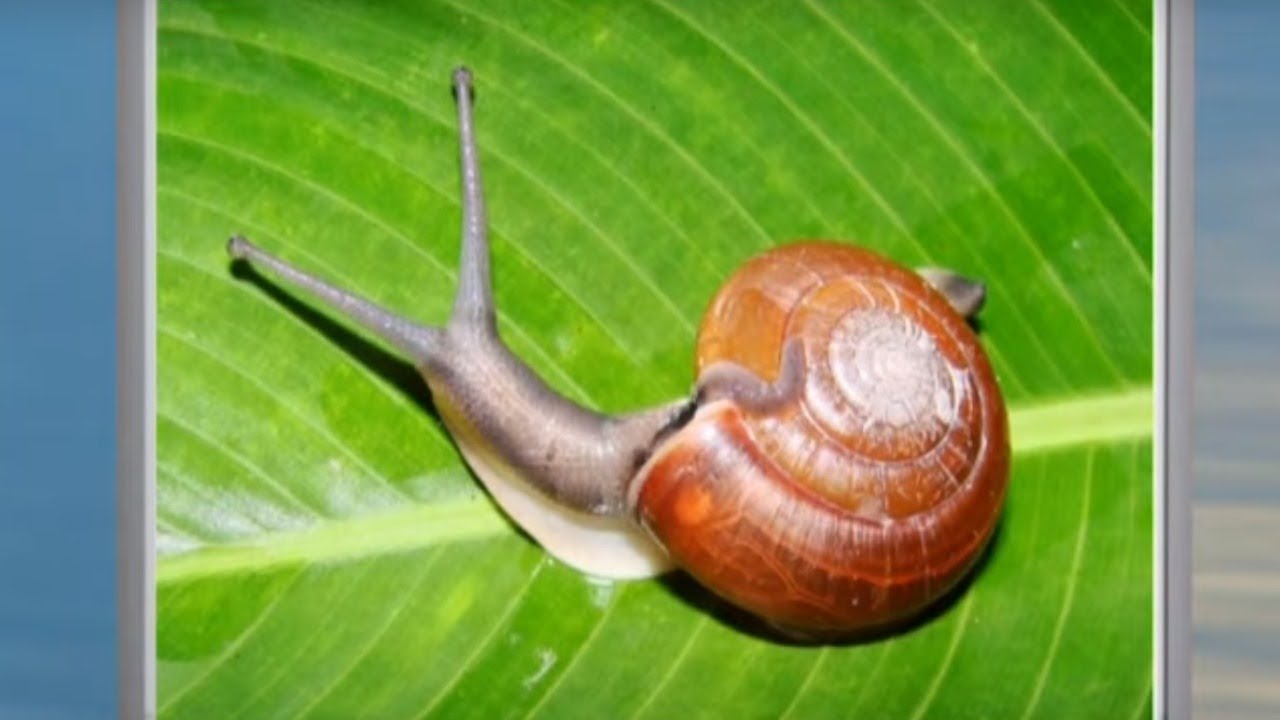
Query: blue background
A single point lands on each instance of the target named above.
(1237, 417)
(57, 360)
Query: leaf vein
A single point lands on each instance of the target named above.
(962, 627)
(231, 648)
(1144, 271)
(302, 417)
(985, 180)
(1089, 60)
(484, 642)
(1077, 557)
(396, 235)
(636, 116)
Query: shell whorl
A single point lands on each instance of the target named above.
(889, 422)
(871, 490)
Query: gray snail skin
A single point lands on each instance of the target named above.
(840, 464)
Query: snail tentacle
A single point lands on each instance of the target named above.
(473, 304)
(422, 343)
(558, 469)
(965, 294)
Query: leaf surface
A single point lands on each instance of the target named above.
(323, 552)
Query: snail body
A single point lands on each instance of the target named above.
(840, 465)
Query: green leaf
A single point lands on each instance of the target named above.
(323, 552)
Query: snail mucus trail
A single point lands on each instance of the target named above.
(635, 495)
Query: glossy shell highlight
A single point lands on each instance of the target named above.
(869, 494)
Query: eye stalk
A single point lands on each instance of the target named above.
(561, 471)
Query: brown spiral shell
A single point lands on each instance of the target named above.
(872, 493)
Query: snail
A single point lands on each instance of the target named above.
(840, 465)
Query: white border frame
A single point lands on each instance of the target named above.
(135, 356)
(1174, 195)
(1173, 192)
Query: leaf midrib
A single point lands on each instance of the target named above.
(1040, 427)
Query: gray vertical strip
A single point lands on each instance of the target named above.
(1177, 303)
(135, 242)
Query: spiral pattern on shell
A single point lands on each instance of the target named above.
(870, 492)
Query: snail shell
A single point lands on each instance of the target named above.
(872, 489)
(841, 463)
